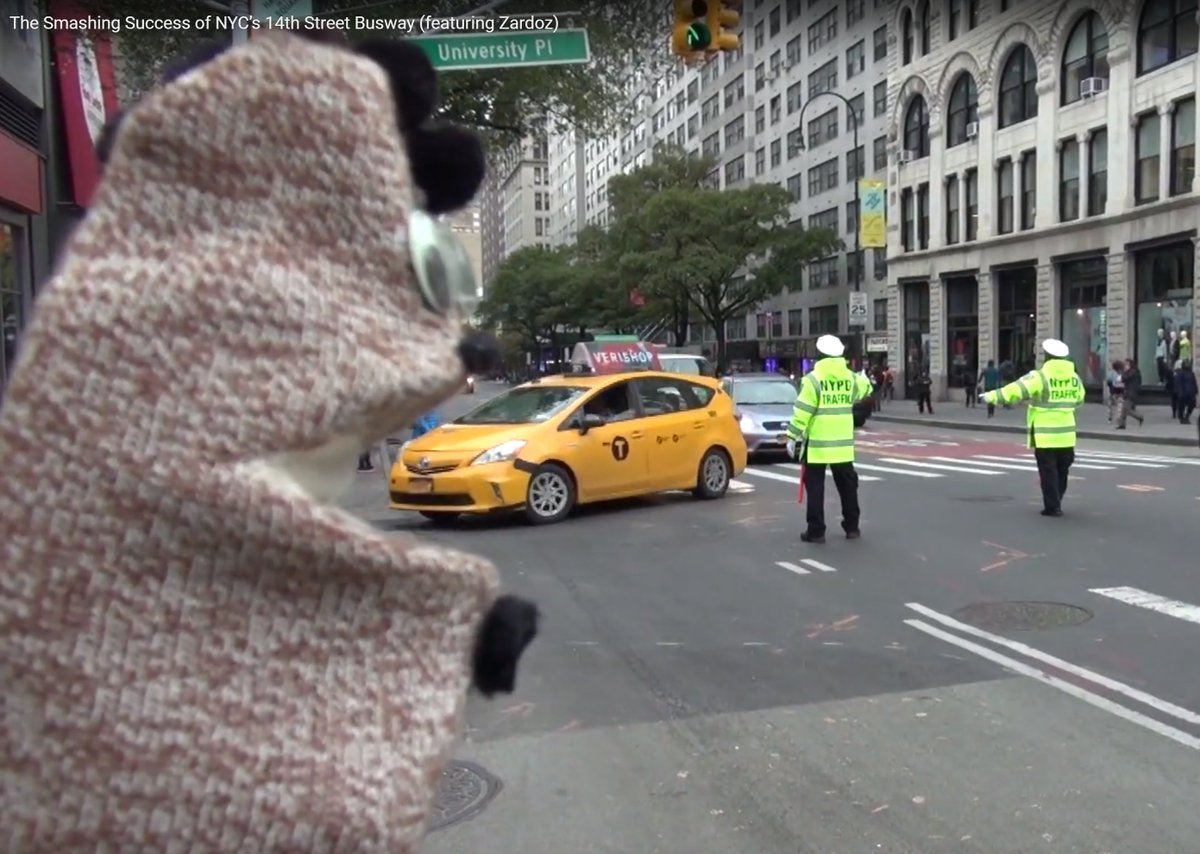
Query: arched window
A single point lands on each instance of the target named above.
(906, 27)
(1166, 32)
(1086, 56)
(964, 109)
(916, 128)
(1018, 87)
(924, 22)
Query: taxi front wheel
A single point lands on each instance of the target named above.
(550, 496)
(712, 479)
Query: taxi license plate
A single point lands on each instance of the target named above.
(420, 484)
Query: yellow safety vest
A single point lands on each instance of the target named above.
(1054, 392)
(824, 411)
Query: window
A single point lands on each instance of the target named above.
(1018, 87)
(823, 320)
(880, 153)
(972, 14)
(1004, 197)
(760, 329)
(879, 263)
(760, 35)
(711, 145)
(735, 131)
(955, 21)
(856, 59)
(663, 397)
(880, 315)
(710, 109)
(953, 210)
(827, 219)
(854, 267)
(1086, 56)
(1166, 33)
(538, 227)
(824, 30)
(776, 324)
(775, 21)
(735, 170)
(776, 110)
(1028, 190)
(793, 187)
(795, 322)
(879, 98)
(760, 119)
(776, 152)
(964, 109)
(735, 91)
(906, 219)
(851, 218)
(924, 16)
(823, 177)
(854, 12)
(1183, 146)
(795, 97)
(760, 161)
(880, 51)
(923, 216)
(823, 274)
(916, 128)
(1097, 172)
(855, 115)
(906, 24)
(1068, 181)
(823, 129)
(854, 164)
(793, 51)
(735, 330)
(1145, 180)
(760, 77)
(793, 143)
(824, 79)
(972, 180)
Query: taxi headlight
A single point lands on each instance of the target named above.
(501, 453)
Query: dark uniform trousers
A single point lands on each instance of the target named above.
(845, 478)
(1053, 465)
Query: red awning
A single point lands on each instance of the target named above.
(20, 176)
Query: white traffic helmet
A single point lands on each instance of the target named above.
(830, 345)
(1055, 348)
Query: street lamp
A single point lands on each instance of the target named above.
(858, 259)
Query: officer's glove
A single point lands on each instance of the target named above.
(988, 397)
(791, 449)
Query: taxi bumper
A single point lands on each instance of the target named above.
(469, 489)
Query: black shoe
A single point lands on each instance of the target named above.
(853, 535)
(1052, 512)
(809, 538)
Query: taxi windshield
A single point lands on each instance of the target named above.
(527, 405)
(764, 393)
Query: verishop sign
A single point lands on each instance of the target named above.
(615, 358)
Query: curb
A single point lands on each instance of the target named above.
(1132, 438)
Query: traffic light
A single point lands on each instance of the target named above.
(691, 34)
(720, 19)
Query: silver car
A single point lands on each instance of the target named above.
(763, 403)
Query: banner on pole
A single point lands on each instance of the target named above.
(872, 214)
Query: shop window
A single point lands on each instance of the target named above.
(1016, 312)
(1164, 281)
(916, 333)
(1084, 322)
(962, 331)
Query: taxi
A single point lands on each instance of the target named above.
(549, 445)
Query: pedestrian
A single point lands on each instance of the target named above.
(1169, 387)
(1054, 392)
(924, 386)
(823, 419)
(1116, 390)
(1132, 378)
(364, 462)
(989, 378)
(971, 387)
(1185, 387)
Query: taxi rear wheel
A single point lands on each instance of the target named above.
(713, 478)
(550, 496)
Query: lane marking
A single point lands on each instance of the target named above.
(1032, 466)
(1066, 687)
(1151, 602)
(793, 479)
(740, 486)
(886, 470)
(816, 564)
(668, 643)
(1143, 458)
(1132, 693)
(1139, 487)
(1137, 462)
(963, 469)
(791, 567)
(977, 461)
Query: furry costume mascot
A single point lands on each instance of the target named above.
(198, 651)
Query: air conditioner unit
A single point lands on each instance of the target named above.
(972, 130)
(907, 156)
(1092, 86)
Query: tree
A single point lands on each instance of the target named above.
(600, 295)
(531, 295)
(506, 104)
(725, 251)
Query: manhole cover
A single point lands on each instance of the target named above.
(463, 792)
(1023, 616)
(984, 499)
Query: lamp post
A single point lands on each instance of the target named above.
(854, 122)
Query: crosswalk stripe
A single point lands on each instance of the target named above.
(793, 479)
(1032, 466)
(791, 567)
(1151, 602)
(887, 470)
(1146, 458)
(981, 461)
(796, 468)
(920, 464)
(1130, 460)
(816, 564)
(1114, 461)
(740, 486)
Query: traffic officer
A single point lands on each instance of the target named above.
(823, 418)
(1054, 392)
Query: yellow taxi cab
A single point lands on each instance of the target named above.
(557, 442)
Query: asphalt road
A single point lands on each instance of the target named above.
(705, 682)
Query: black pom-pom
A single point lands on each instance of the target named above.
(108, 138)
(414, 82)
(509, 627)
(480, 353)
(200, 55)
(448, 165)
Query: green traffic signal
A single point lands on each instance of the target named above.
(698, 36)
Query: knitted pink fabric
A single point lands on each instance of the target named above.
(192, 657)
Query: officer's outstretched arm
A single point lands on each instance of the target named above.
(863, 387)
(1026, 387)
(804, 409)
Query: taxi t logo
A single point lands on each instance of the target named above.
(836, 392)
(620, 448)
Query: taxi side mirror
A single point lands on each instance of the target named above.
(589, 422)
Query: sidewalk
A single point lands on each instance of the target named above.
(1091, 418)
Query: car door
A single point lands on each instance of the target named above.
(612, 460)
(675, 422)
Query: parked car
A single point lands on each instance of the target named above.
(763, 406)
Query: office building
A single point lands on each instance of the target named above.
(1042, 183)
(514, 204)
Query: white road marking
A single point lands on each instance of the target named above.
(1066, 687)
(1032, 466)
(1151, 602)
(920, 464)
(1111, 684)
(787, 478)
(755, 643)
(1119, 461)
(668, 643)
(816, 564)
(979, 461)
(791, 567)
(740, 486)
(1139, 458)
(887, 470)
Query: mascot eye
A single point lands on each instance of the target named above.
(441, 264)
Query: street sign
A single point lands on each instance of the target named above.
(877, 344)
(858, 308)
(471, 51)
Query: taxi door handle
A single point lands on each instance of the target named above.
(636, 435)
(699, 425)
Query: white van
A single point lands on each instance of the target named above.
(686, 363)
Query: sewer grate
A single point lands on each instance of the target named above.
(464, 791)
(1023, 616)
